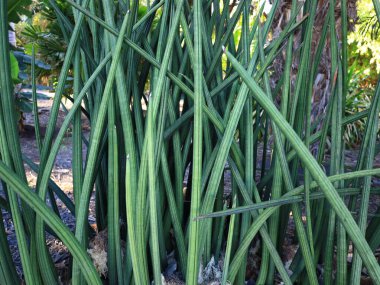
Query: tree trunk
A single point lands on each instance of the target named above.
(323, 76)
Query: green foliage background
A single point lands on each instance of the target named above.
(364, 67)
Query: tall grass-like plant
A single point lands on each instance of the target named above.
(182, 97)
